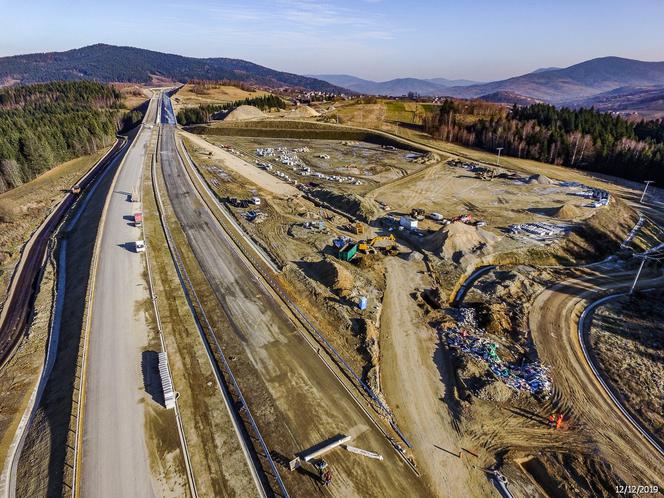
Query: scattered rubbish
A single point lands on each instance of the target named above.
(470, 340)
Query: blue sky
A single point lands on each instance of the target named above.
(376, 39)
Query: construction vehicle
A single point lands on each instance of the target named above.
(463, 218)
(357, 228)
(417, 213)
(139, 246)
(324, 471)
(76, 190)
(138, 219)
(135, 196)
(368, 245)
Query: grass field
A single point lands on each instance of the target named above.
(216, 94)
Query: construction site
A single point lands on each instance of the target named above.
(423, 269)
(330, 310)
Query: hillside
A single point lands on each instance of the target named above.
(578, 81)
(395, 87)
(46, 124)
(645, 102)
(109, 63)
(505, 97)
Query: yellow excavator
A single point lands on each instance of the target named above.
(368, 246)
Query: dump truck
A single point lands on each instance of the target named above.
(139, 246)
(135, 196)
(138, 219)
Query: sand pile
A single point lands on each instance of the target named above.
(540, 179)
(245, 113)
(304, 111)
(335, 277)
(567, 211)
(428, 158)
(458, 240)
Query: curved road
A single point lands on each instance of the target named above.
(554, 325)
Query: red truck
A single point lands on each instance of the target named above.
(138, 219)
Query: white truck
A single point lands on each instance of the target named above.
(139, 246)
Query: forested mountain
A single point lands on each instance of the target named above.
(585, 138)
(578, 81)
(46, 124)
(109, 63)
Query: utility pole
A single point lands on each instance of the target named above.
(647, 182)
(499, 150)
(638, 273)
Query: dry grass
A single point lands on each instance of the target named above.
(215, 94)
(30, 204)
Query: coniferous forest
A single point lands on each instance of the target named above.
(581, 138)
(45, 124)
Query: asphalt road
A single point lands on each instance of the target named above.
(115, 460)
(553, 322)
(301, 402)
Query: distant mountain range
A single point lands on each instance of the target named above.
(109, 63)
(634, 81)
(645, 101)
(582, 80)
(395, 87)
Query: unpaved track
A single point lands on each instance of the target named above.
(415, 383)
(553, 323)
(114, 454)
(305, 403)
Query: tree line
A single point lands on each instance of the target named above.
(206, 112)
(581, 138)
(45, 124)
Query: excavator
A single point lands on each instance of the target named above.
(368, 246)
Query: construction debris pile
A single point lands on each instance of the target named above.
(468, 339)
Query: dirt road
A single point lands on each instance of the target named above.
(295, 399)
(415, 383)
(553, 323)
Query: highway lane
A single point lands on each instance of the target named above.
(114, 454)
(553, 322)
(301, 403)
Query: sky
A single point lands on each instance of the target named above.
(481, 40)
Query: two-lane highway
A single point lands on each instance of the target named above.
(115, 459)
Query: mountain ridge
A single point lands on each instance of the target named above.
(111, 63)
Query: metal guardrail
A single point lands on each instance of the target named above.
(581, 327)
(192, 296)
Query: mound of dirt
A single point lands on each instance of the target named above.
(351, 204)
(567, 211)
(539, 179)
(428, 158)
(333, 276)
(245, 113)
(457, 240)
(304, 111)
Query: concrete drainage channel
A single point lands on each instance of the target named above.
(225, 378)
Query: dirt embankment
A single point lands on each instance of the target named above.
(626, 339)
(352, 204)
(244, 113)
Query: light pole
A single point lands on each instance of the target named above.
(647, 182)
(499, 150)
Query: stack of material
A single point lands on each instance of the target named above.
(166, 383)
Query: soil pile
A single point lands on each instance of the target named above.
(567, 211)
(304, 111)
(458, 240)
(428, 158)
(245, 113)
(333, 276)
(351, 204)
(539, 179)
